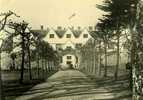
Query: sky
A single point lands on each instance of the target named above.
(52, 13)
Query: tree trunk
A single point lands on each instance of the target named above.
(87, 65)
(43, 71)
(100, 64)
(105, 66)
(29, 62)
(100, 58)
(22, 66)
(118, 56)
(94, 61)
(51, 65)
(91, 64)
(13, 63)
(23, 60)
(14, 57)
(42, 61)
(48, 65)
(1, 86)
(134, 79)
(38, 66)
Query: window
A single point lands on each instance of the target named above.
(85, 35)
(78, 45)
(59, 46)
(51, 35)
(68, 35)
(68, 47)
(69, 62)
(69, 57)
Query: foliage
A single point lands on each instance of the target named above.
(121, 12)
(128, 14)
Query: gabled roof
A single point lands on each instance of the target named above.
(60, 33)
(76, 33)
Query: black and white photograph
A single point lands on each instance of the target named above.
(71, 49)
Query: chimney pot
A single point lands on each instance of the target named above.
(72, 27)
(90, 28)
(79, 28)
(59, 27)
(42, 27)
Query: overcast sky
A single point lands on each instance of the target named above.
(55, 12)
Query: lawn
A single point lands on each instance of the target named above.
(11, 86)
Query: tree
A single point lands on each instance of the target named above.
(38, 44)
(3, 23)
(119, 14)
(28, 44)
(13, 57)
(129, 13)
(43, 51)
(104, 33)
(136, 51)
(21, 29)
(98, 48)
(87, 52)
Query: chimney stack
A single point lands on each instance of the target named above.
(90, 28)
(59, 28)
(42, 27)
(72, 27)
(79, 28)
(48, 28)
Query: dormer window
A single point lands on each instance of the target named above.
(85, 35)
(69, 57)
(68, 35)
(51, 35)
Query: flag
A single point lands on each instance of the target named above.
(73, 15)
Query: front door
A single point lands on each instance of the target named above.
(69, 62)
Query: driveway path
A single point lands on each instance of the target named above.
(74, 85)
